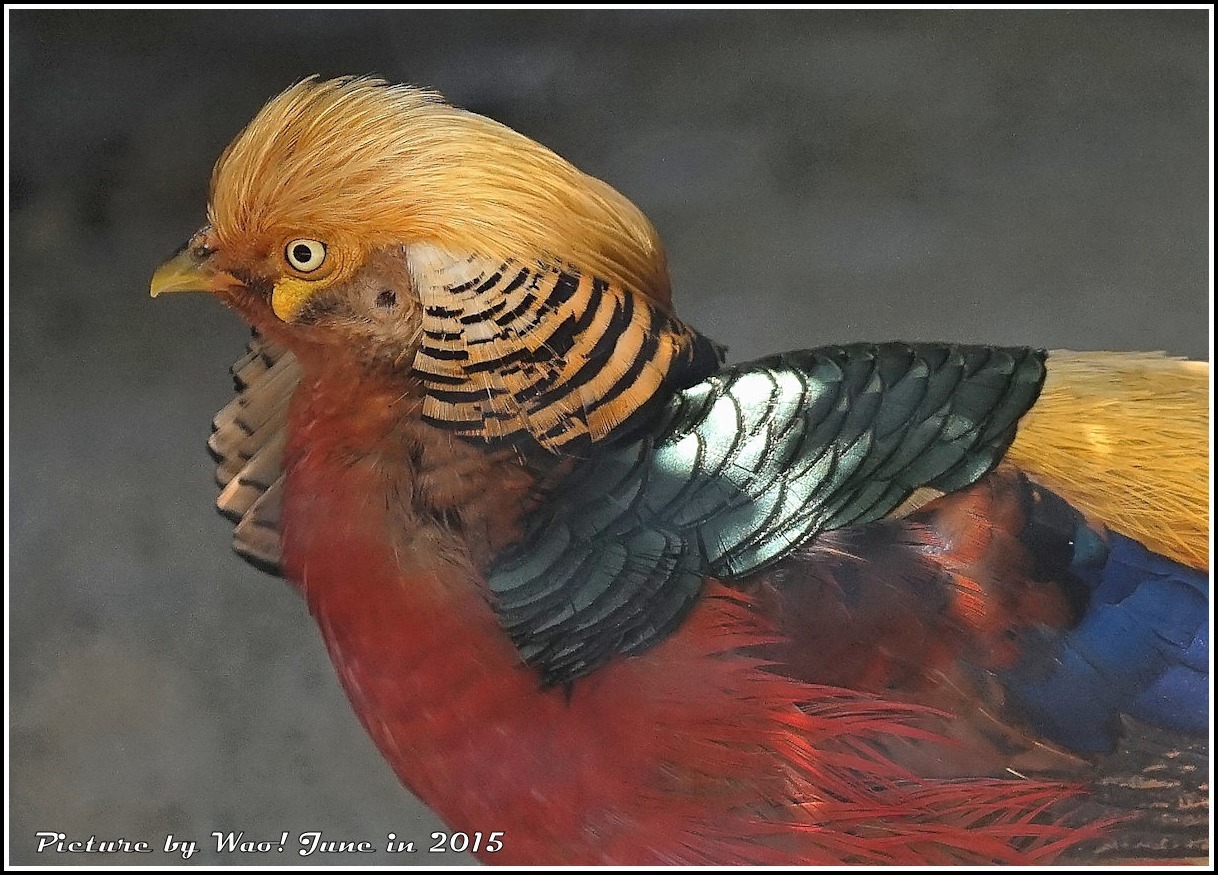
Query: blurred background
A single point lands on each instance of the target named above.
(1033, 178)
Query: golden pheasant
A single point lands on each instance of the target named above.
(584, 585)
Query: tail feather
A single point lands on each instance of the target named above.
(1125, 437)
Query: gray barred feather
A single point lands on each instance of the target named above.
(247, 443)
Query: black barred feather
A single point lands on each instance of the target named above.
(515, 353)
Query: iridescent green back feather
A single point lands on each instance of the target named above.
(741, 469)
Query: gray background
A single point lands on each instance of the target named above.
(1035, 178)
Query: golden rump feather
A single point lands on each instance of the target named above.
(1125, 436)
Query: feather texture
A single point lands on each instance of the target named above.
(247, 443)
(515, 352)
(1125, 436)
(364, 164)
(739, 471)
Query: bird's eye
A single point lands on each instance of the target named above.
(306, 255)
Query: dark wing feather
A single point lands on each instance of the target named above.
(741, 469)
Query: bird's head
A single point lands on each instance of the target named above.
(378, 217)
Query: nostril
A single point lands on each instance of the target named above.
(386, 299)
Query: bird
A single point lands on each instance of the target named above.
(589, 586)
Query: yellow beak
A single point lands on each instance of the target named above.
(185, 272)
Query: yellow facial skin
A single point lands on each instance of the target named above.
(290, 296)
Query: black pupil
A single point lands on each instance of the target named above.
(302, 253)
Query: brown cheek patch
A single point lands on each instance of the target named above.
(384, 288)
